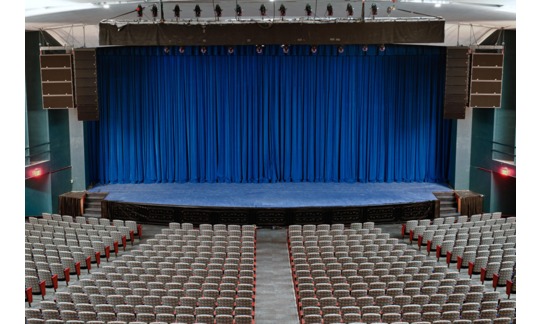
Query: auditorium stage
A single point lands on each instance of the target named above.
(270, 203)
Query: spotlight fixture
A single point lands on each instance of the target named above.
(139, 11)
(166, 50)
(154, 11)
(382, 48)
(340, 49)
(285, 48)
(365, 48)
(230, 50)
(259, 49)
(197, 11)
(282, 11)
(262, 10)
(181, 49)
(203, 49)
(350, 10)
(177, 11)
(218, 11)
(313, 49)
(308, 10)
(329, 10)
(238, 10)
(374, 10)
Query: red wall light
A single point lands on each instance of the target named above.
(36, 172)
(505, 172)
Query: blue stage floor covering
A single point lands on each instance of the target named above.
(272, 195)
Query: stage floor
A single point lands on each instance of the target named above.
(272, 195)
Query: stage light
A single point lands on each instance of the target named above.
(350, 10)
(181, 49)
(340, 49)
(203, 49)
(329, 10)
(365, 48)
(282, 11)
(374, 10)
(285, 48)
(218, 11)
(197, 11)
(382, 48)
(166, 50)
(259, 49)
(139, 11)
(177, 11)
(154, 11)
(308, 10)
(313, 49)
(238, 10)
(230, 50)
(262, 10)
(505, 171)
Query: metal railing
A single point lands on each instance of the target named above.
(504, 152)
(37, 153)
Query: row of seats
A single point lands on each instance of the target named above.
(195, 281)
(486, 244)
(395, 286)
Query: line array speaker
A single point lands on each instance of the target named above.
(86, 94)
(56, 81)
(457, 78)
(486, 80)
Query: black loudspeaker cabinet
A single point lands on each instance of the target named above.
(457, 79)
(56, 81)
(86, 93)
(486, 80)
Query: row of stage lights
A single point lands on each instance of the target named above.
(260, 49)
(262, 10)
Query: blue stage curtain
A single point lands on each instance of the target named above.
(186, 116)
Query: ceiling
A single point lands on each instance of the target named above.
(76, 22)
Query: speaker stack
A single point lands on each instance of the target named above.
(457, 82)
(69, 80)
(57, 81)
(486, 80)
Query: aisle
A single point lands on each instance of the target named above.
(275, 300)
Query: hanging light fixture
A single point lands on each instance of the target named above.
(262, 10)
(329, 10)
(203, 49)
(176, 12)
(218, 11)
(374, 10)
(238, 10)
(197, 11)
(282, 11)
(285, 48)
(230, 50)
(308, 10)
(340, 49)
(259, 49)
(350, 10)
(154, 11)
(139, 11)
(313, 49)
